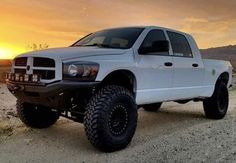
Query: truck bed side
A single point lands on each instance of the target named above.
(213, 69)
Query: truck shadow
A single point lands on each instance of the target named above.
(70, 136)
(168, 119)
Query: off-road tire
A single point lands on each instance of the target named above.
(104, 130)
(36, 116)
(216, 106)
(152, 107)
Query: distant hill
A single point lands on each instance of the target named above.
(5, 62)
(227, 53)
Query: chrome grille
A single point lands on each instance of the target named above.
(45, 74)
(43, 62)
(44, 67)
(20, 71)
(21, 61)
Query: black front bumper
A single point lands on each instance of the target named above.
(50, 95)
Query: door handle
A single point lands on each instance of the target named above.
(168, 64)
(195, 65)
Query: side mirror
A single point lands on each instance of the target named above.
(157, 46)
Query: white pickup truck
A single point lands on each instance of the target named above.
(102, 80)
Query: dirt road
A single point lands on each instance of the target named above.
(176, 133)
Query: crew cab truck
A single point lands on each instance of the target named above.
(102, 80)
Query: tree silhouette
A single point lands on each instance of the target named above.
(37, 46)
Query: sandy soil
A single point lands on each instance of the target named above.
(177, 133)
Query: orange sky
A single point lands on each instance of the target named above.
(62, 22)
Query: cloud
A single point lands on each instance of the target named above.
(195, 20)
(212, 22)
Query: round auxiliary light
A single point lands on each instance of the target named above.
(12, 77)
(35, 78)
(26, 77)
(73, 70)
(7, 75)
(21, 78)
(17, 77)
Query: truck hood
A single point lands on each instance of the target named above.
(73, 52)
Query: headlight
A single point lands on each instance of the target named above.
(80, 71)
(73, 70)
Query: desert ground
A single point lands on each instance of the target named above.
(176, 133)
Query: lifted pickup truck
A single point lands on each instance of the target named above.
(102, 80)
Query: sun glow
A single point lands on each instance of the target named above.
(9, 52)
(60, 23)
(5, 53)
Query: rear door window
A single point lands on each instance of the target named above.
(179, 45)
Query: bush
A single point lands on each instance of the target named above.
(3, 71)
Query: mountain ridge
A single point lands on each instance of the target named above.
(227, 53)
(5, 62)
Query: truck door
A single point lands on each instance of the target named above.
(155, 70)
(188, 71)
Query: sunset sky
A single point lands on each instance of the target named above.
(62, 22)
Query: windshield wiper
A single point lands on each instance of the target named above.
(98, 45)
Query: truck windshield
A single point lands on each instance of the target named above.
(120, 38)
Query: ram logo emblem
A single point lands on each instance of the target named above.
(28, 68)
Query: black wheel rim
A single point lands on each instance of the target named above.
(118, 120)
